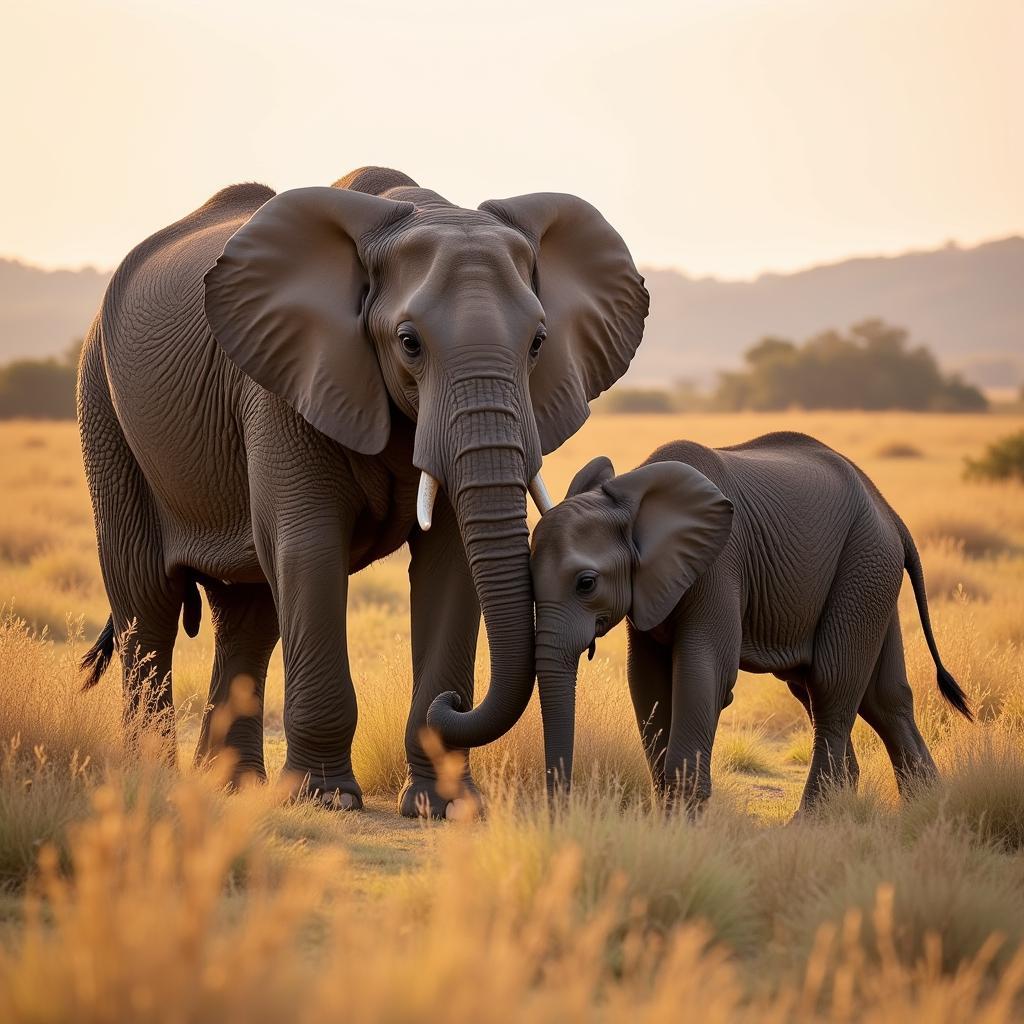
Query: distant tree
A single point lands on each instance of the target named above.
(1002, 460)
(40, 389)
(627, 400)
(870, 367)
(687, 396)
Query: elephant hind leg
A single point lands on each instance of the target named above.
(888, 707)
(846, 647)
(245, 634)
(144, 600)
(798, 687)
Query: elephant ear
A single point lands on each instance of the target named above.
(285, 300)
(681, 522)
(596, 472)
(594, 304)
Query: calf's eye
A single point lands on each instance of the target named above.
(586, 583)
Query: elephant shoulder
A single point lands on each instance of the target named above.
(706, 460)
(227, 208)
(166, 269)
(781, 440)
(790, 451)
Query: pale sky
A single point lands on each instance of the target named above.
(724, 137)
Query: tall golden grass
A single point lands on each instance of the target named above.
(132, 892)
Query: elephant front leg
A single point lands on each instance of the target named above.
(319, 699)
(705, 662)
(649, 670)
(445, 624)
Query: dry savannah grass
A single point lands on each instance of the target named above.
(135, 893)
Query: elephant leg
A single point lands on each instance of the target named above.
(308, 562)
(649, 669)
(146, 629)
(832, 725)
(846, 647)
(445, 615)
(705, 663)
(799, 690)
(888, 707)
(145, 601)
(246, 632)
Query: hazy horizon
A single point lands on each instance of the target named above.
(724, 138)
(694, 275)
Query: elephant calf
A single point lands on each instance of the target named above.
(777, 555)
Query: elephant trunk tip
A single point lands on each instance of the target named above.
(441, 710)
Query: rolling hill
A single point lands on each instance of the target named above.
(966, 304)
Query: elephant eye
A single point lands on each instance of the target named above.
(410, 341)
(538, 341)
(586, 583)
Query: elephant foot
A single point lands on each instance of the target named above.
(332, 792)
(420, 799)
(339, 801)
(247, 776)
(687, 800)
(238, 769)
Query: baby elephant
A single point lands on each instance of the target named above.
(778, 555)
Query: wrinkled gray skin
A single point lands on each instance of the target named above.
(777, 555)
(266, 381)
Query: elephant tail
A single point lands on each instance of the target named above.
(97, 658)
(948, 686)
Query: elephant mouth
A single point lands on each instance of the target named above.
(600, 629)
(426, 495)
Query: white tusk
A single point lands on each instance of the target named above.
(425, 500)
(540, 495)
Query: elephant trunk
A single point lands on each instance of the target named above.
(556, 680)
(487, 483)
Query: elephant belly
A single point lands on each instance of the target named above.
(773, 659)
(174, 402)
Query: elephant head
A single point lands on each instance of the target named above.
(490, 329)
(617, 546)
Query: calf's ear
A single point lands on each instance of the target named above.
(596, 472)
(680, 522)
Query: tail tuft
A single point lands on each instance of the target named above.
(950, 689)
(97, 658)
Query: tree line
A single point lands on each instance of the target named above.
(871, 366)
(40, 389)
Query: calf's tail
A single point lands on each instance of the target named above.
(948, 686)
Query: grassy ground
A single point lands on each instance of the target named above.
(132, 893)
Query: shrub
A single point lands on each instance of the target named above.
(800, 749)
(899, 450)
(632, 400)
(1003, 460)
(743, 750)
(947, 576)
(974, 538)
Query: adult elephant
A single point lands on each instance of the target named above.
(276, 388)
